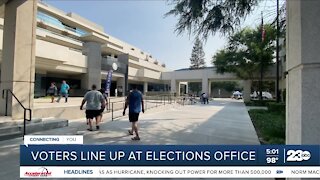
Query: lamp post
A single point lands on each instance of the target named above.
(277, 56)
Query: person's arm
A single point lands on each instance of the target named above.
(126, 105)
(142, 104)
(82, 103)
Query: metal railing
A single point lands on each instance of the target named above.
(114, 108)
(149, 103)
(5, 93)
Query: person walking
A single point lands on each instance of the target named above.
(135, 102)
(52, 91)
(94, 103)
(64, 91)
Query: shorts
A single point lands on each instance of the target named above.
(90, 114)
(51, 94)
(133, 117)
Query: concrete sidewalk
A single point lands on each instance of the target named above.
(220, 122)
(223, 121)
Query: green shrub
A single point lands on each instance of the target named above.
(276, 107)
(269, 125)
(258, 102)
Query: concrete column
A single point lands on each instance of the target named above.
(93, 76)
(145, 88)
(209, 90)
(173, 86)
(121, 82)
(18, 63)
(303, 67)
(247, 90)
(205, 83)
(178, 88)
(124, 58)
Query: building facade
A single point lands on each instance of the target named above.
(40, 44)
(69, 47)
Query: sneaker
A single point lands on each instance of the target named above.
(135, 138)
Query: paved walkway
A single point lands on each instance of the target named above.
(223, 121)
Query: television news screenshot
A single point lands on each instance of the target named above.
(159, 89)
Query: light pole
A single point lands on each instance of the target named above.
(277, 56)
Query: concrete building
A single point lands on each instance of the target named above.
(50, 45)
(70, 47)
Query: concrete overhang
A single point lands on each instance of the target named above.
(111, 48)
(94, 37)
(63, 17)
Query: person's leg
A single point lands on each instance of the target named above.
(66, 97)
(131, 121)
(60, 95)
(101, 114)
(89, 116)
(135, 129)
(98, 119)
(135, 126)
(90, 124)
(52, 98)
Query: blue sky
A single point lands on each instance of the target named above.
(142, 24)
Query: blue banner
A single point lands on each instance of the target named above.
(169, 155)
(108, 82)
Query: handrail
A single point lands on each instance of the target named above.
(159, 99)
(5, 91)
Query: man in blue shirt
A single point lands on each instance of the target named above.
(135, 102)
(64, 91)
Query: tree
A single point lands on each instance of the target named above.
(195, 87)
(246, 54)
(203, 17)
(197, 55)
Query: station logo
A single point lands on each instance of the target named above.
(42, 172)
(298, 155)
